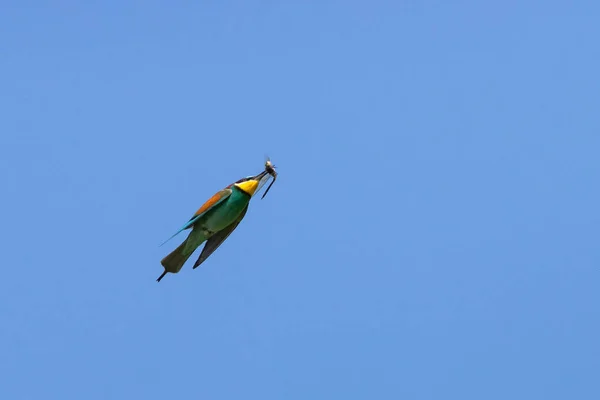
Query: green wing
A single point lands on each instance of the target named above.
(218, 238)
(211, 203)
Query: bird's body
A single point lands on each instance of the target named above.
(214, 222)
(217, 218)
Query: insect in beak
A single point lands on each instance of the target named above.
(269, 169)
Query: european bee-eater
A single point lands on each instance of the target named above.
(216, 219)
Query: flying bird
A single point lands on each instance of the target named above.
(216, 219)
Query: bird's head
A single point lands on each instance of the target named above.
(252, 184)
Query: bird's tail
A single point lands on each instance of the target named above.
(174, 261)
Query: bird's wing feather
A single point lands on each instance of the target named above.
(215, 200)
(218, 238)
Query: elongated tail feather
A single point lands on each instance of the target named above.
(162, 275)
(174, 261)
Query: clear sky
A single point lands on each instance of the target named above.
(433, 233)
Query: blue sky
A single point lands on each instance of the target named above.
(433, 233)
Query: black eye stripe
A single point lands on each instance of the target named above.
(244, 179)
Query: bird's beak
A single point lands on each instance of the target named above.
(264, 176)
(261, 178)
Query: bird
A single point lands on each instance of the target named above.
(216, 219)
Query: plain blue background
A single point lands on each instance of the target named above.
(433, 233)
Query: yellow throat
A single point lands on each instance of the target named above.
(248, 186)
